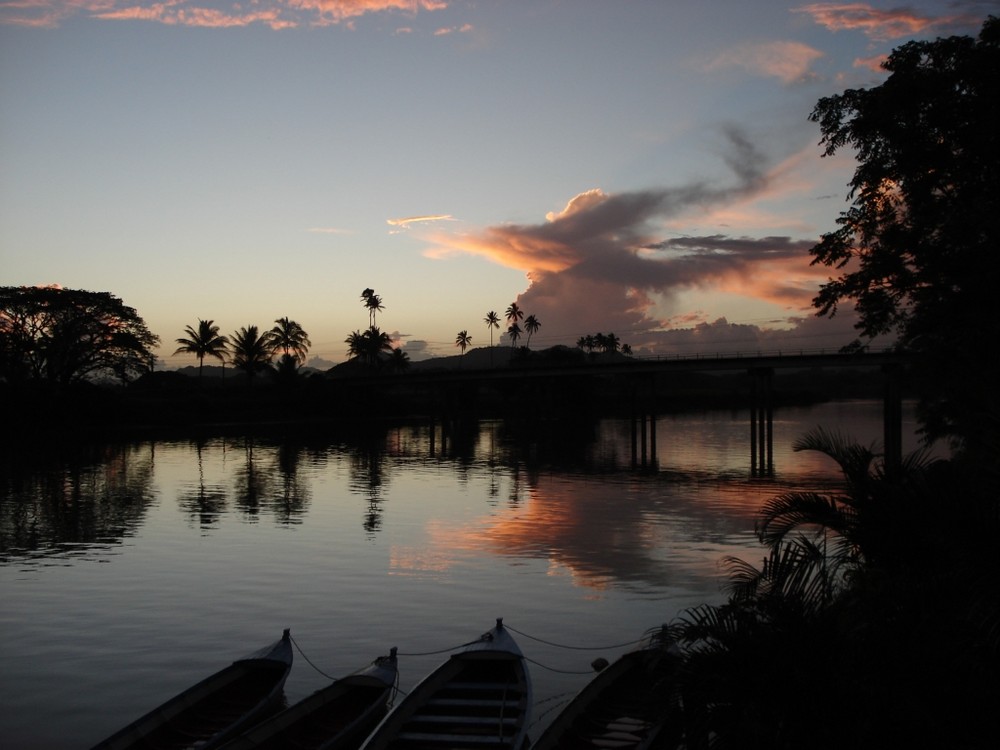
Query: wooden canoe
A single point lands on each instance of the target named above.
(479, 698)
(216, 709)
(337, 717)
(630, 704)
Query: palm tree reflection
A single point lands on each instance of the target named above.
(205, 502)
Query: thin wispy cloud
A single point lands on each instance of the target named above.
(400, 225)
(275, 14)
(882, 24)
(789, 62)
(330, 230)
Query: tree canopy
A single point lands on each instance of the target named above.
(66, 335)
(916, 251)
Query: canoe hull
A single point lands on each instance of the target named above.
(336, 717)
(480, 697)
(631, 704)
(214, 710)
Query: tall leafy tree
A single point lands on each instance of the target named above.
(203, 341)
(289, 338)
(65, 335)
(252, 351)
(463, 340)
(531, 325)
(916, 251)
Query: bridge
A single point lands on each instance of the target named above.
(640, 372)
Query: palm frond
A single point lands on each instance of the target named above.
(792, 511)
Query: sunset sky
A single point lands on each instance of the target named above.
(645, 167)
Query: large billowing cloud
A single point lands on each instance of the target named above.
(276, 14)
(601, 264)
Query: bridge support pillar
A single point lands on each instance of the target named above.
(761, 422)
(643, 424)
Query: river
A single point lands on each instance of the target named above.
(129, 571)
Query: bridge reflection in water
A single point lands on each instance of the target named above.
(541, 391)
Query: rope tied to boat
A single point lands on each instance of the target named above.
(575, 648)
(308, 660)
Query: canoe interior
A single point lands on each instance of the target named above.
(631, 704)
(338, 716)
(475, 700)
(205, 715)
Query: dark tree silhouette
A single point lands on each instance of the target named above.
(514, 331)
(204, 341)
(492, 320)
(463, 340)
(531, 325)
(917, 250)
(289, 338)
(252, 351)
(66, 335)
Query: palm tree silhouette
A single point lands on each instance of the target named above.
(492, 320)
(463, 340)
(514, 313)
(290, 339)
(368, 346)
(531, 325)
(514, 331)
(252, 351)
(374, 304)
(204, 341)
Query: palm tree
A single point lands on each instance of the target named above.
(368, 346)
(463, 340)
(374, 304)
(398, 360)
(514, 331)
(858, 570)
(531, 325)
(514, 313)
(204, 341)
(627, 350)
(611, 342)
(492, 320)
(290, 338)
(252, 351)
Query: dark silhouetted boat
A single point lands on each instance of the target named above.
(214, 710)
(630, 704)
(337, 717)
(479, 698)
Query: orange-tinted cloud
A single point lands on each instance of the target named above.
(787, 61)
(881, 24)
(601, 263)
(276, 14)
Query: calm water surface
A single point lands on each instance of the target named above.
(131, 571)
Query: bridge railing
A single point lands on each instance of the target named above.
(754, 354)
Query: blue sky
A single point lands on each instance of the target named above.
(641, 167)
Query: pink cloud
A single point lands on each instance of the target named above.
(787, 61)
(882, 25)
(276, 14)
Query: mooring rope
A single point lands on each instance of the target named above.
(439, 651)
(558, 671)
(574, 648)
(308, 660)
